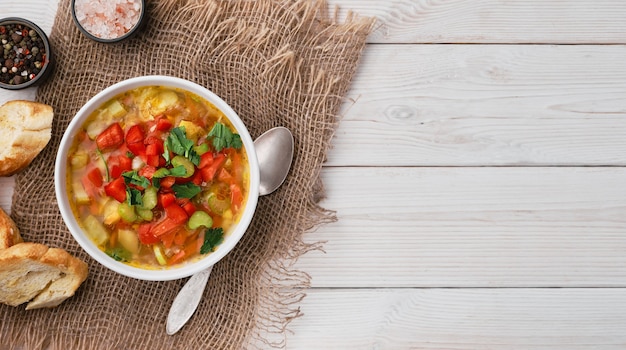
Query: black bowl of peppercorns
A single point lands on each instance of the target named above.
(25, 56)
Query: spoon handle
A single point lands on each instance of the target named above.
(187, 301)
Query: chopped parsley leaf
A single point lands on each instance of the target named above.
(212, 238)
(186, 190)
(222, 137)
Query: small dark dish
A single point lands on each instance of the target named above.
(93, 19)
(25, 55)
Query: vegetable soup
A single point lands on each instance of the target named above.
(157, 176)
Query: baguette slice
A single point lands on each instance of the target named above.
(32, 270)
(9, 233)
(25, 129)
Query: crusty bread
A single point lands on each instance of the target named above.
(9, 233)
(32, 270)
(25, 129)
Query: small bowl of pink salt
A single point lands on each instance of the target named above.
(108, 21)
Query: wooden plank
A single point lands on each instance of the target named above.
(472, 227)
(492, 21)
(460, 319)
(485, 105)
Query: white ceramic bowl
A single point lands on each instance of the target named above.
(182, 270)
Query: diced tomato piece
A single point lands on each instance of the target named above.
(168, 181)
(134, 140)
(163, 124)
(176, 213)
(145, 234)
(134, 134)
(152, 139)
(187, 206)
(164, 226)
(115, 170)
(154, 149)
(153, 160)
(126, 164)
(197, 178)
(138, 149)
(111, 138)
(116, 189)
(208, 173)
(147, 171)
(166, 199)
(236, 197)
(205, 160)
(95, 176)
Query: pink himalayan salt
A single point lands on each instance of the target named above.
(107, 19)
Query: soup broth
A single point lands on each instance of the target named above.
(157, 177)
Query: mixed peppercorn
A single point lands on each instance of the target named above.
(23, 54)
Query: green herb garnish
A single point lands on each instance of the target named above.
(133, 177)
(186, 190)
(222, 137)
(178, 171)
(212, 238)
(106, 166)
(119, 254)
(133, 196)
(178, 143)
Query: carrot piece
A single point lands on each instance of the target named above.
(168, 238)
(236, 197)
(225, 176)
(113, 239)
(145, 234)
(176, 258)
(164, 226)
(180, 237)
(193, 247)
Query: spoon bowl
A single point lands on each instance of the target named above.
(274, 151)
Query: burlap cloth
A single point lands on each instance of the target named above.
(277, 63)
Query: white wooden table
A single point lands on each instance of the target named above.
(478, 179)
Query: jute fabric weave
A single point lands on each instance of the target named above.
(277, 63)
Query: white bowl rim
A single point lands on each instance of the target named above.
(184, 270)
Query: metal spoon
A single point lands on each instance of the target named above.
(274, 150)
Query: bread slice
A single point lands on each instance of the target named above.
(25, 129)
(9, 233)
(32, 270)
